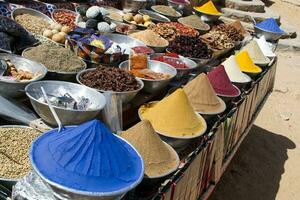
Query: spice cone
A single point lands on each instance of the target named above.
(256, 54)
(233, 71)
(265, 47)
(174, 116)
(208, 8)
(221, 82)
(238, 25)
(270, 25)
(203, 97)
(246, 64)
(159, 158)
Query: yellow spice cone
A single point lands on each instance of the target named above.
(208, 8)
(246, 64)
(174, 116)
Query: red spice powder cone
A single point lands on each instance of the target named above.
(221, 83)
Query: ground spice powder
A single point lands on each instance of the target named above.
(158, 157)
(174, 116)
(208, 8)
(246, 63)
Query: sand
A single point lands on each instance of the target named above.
(267, 165)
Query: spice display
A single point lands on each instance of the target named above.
(138, 19)
(195, 22)
(113, 15)
(233, 71)
(192, 47)
(166, 10)
(171, 59)
(142, 49)
(57, 33)
(172, 29)
(239, 27)
(65, 17)
(256, 54)
(217, 40)
(203, 97)
(208, 8)
(109, 79)
(125, 28)
(246, 64)
(230, 31)
(14, 74)
(55, 58)
(150, 38)
(221, 83)
(72, 157)
(159, 158)
(265, 47)
(67, 101)
(14, 149)
(174, 116)
(33, 24)
(270, 25)
(13, 36)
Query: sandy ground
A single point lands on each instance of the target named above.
(267, 166)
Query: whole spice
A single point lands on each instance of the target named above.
(150, 38)
(166, 10)
(230, 31)
(172, 29)
(65, 18)
(17, 74)
(109, 79)
(14, 150)
(171, 59)
(191, 47)
(125, 28)
(55, 58)
(158, 157)
(33, 24)
(217, 40)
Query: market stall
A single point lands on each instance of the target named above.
(148, 102)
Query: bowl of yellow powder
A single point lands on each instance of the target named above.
(208, 12)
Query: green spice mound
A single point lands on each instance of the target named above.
(55, 58)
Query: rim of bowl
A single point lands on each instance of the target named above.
(57, 72)
(179, 137)
(45, 16)
(187, 2)
(150, 80)
(212, 15)
(141, 83)
(231, 96)
(60, 108)
(166, 14)
(146, 12)
(93, 194)
(215, 113)
(13, 126)
(27, 81)
(269, 31)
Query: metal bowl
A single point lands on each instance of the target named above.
(62, 76)
(178, 143)
(119, 38)
(10, 182)
(14, 89)
(134, 5)
(67, 116)
(179, 6)
(171, 17)
(153, 86)
(181, 72)
(65, 10)
(155, 17)
(126, 97)
(269, 36)
(207, 17)
(21, 11)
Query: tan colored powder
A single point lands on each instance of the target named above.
(255, 53)
(202, 96)
(159, 158)
(150, 38)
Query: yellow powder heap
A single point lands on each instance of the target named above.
(159, 158)
(246, 64)
(174, 116)
(208, 8)
(203, 97)
(256, 54)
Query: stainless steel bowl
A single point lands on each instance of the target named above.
(10, 182)
(130, 41)
(67, 116)
(134, 5)
(207, 17)
(126, 97)
(14, 89)
(65, 10)
(62, 76)
(270, 36)
(171, 17)
(181, 72)
(153, 86)
(21, 11)
(179, 6)
(178, 143)
(155, 17)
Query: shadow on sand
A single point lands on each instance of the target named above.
(256, 169)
